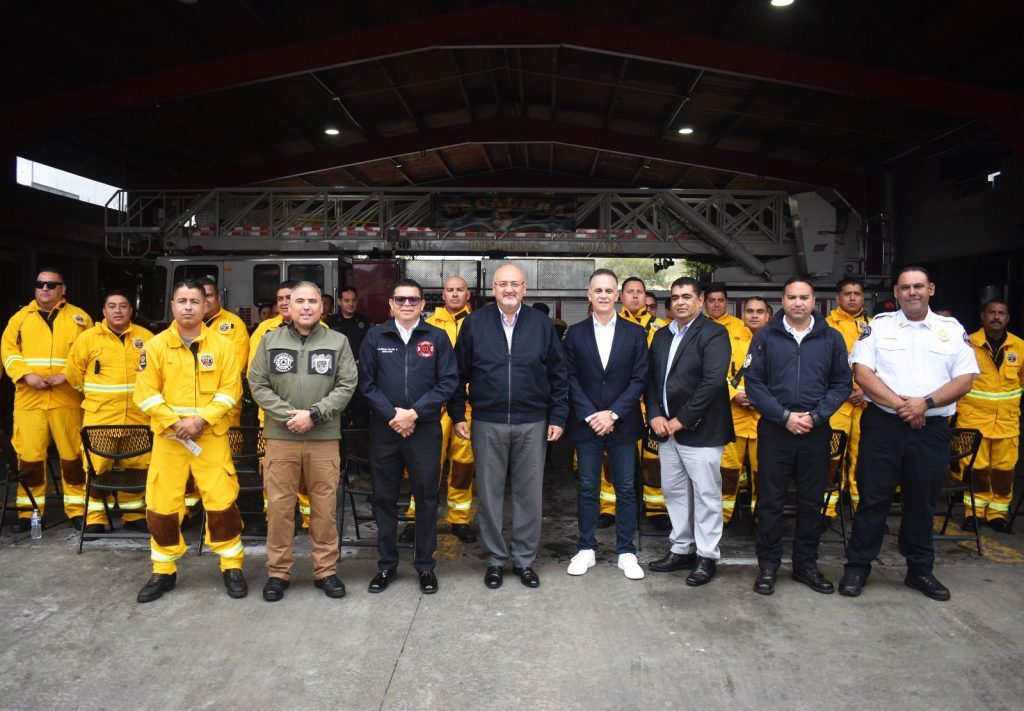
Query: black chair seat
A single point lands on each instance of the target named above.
(123, 480)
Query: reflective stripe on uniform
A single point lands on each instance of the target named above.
(232, 551)
(607, 495)
(224, 399)
(161, 557)
(460, 506)
(984, 395)
(304, 510)
(69, 499)
(45, 362)
(136, 505)
(13, 359)
(151, 402)
(95, 505)
(97, 388)
(653, 499)
(191, 500)
(183, 410)
(999, 507)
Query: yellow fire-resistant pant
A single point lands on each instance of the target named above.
(132, 504)
(459, 454)
(735, 471)
(215, 478)
(654, 500)
(847, 419)
(993, 478)
(33, 431)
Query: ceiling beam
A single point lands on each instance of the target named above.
(513, 26)
(524, 131)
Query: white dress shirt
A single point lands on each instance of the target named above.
(604, 334)
(406, 333)
(798, 335)
(509, 326)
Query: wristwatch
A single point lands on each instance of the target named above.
(929, 401)
(615, 418)
(314, 415)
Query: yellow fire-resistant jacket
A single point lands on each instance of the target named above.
(233, 328)
(734, 326)
(993, 404)
(103, 367)
(449, 323)
(644, 320)
(180, 382)
(257, 336)
(30, 346)
(744, 419)
(851, 328)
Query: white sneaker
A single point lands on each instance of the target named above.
(629, 566)
(582, 562)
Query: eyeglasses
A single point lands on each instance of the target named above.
(508, 284)
(403, 300)
(48, 284)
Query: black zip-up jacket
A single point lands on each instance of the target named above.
(420, 375)
(782, 376)
(530, 384)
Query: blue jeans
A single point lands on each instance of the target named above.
(622, 462)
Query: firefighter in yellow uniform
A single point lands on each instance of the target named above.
(231, 327)
(103, 364)
(634, 310)
(34, 349)
(457, 451)
(851, 321)
(993, 407)
(283, 318)
(188, 387)
(756, 314)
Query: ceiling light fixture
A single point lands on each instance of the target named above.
(781, 3)
(331, 131)
(686, 130)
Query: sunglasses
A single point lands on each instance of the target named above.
(403, 300)
(48, 284)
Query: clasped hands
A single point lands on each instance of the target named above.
(404, 421)
(189, 427)
(911, 410)
(664, 427)
(602, 423)
(40, 382)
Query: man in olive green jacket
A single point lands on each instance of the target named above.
(303, 376)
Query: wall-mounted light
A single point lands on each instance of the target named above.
(685, 130)
(331, 131)
(781, 3)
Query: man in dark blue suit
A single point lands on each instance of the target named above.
(606, 357)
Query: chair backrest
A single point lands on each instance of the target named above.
(116, 442)
(964, 444)
(355, 449)
(247, 447)
(837, 444)
(9, 456)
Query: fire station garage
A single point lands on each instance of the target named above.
(358, 144)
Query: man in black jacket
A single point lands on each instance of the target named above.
(511, 359)
(407, 371)
(797, 376)
(687, 402)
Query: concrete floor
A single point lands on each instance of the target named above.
(74, 637)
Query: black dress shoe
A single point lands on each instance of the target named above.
(273, 589)
(852, 584)
(528, 576)
(703, 573)
(494, 576)
(428, 582)
(605, 520)
(999, 525)
(970, 524)
(408, 534)
(927, 584)
(764, 583)
(463, 532)
(234, 582)
(812, 578)
(138, 526)
(331, 585)
(382, 579)
(76, 521)
(157, 586)
(673, 561)
(661, 522)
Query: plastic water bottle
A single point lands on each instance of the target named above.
(37, 525)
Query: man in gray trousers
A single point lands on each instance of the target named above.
(511, 359)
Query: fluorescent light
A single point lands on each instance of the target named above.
(331, 131)
(992, 176)
(781, 3)
(686, 130)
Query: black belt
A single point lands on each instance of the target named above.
(931, 420)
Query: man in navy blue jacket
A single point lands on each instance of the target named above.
(407, 371)
(797, 376)
(606, 357)
(512, 361)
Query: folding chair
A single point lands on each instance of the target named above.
(963, 450)
(116, 443)
(836, 486)
(357, 480)
(248, 447)
(9, 460)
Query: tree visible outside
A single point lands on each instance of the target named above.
(644, 267)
